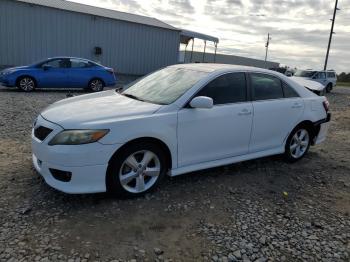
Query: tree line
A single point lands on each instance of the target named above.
(344, 77)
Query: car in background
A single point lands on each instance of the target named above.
(327, 78)
(174, 121)
(59, 72)
(313, 86)
(283, 70)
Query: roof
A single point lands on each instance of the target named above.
(102, 12)
(186, 36)
(210, 67)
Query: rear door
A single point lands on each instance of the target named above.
(54, 73)
(277, 109)
(80, 73)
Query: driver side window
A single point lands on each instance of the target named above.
(56, 63)
(226, 89)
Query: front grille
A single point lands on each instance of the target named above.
(42, 132)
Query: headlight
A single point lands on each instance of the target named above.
(78, 137)
(4, 73)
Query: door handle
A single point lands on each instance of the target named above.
(245, 112)
(296, 105)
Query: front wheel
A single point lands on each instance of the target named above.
(329, 88)
(298, 144)
(26, 84)
(96, 85)
(136, 170)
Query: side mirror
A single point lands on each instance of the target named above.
(202, 102)
(46, 67)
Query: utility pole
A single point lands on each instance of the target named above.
(267, 47)
(331, 33)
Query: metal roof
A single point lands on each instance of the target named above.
(102, 12)
(186, 36)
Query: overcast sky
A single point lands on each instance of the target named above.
(299, 28)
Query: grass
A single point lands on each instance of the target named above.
(347, 84)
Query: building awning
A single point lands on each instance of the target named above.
(186, 36)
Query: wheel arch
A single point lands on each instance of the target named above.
(26, 75)
(314, 130)
(154, 140)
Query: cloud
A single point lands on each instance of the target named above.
(182, 6)
(299, 28)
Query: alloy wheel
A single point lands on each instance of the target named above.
(139, 171)
(96, 85)
(299, 143)
(26, 84)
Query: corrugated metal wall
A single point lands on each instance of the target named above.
(29, 33)
(226, 59)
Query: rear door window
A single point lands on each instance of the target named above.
(289, 91)
(78, 63)
(266, 87)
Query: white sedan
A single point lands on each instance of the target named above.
(174, 121)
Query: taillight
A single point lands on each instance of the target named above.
(326, 105)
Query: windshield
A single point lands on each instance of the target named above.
(164, 86)
(304, 73)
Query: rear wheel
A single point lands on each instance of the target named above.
(329, 88)
(96, 85)
(136, 170)
(26, 84)
(298, 144)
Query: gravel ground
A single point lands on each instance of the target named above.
(261, 210)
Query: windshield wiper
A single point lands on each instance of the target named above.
(133, 97)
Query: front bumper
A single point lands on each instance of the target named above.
(4, 81)
(87, 163)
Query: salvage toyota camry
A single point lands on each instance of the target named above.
(174, 121)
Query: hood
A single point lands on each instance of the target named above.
(14, 68)
(96, 109)
(308, 83)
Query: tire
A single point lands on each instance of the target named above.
(329, 88)
(127, 175)
(26, 84)
(96, 85)
(298, 144)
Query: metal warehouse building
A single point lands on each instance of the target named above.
(31, 30)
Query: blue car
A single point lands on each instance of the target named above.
(66, 72)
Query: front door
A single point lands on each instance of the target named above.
(54, 74)
(220, 132)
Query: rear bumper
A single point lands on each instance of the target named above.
(323, 126)
(325, 120)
